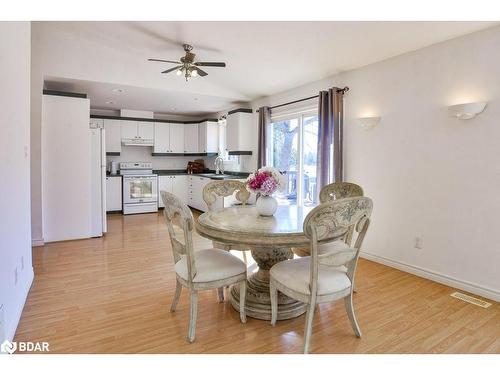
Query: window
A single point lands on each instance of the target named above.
(292, 149)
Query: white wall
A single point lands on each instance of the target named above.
(428, 174)
(15, 235)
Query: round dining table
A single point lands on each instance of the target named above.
(269, 239)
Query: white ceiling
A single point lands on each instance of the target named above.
(263, 58)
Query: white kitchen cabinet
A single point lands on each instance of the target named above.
(179, 187)
(175, 184)
(162, 138)
(164, 184)
(137, 130)
(239, 131)
(191, 138)
(145, 130)
(113, 193)
(195, 192)
(128, 129)
(208, 136)
(177, 138)
(112, 135)
(168, 138)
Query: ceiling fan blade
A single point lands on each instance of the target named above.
(167, 61)
(214, 64)
(172, 69)
(201, 73)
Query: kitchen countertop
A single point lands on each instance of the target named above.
(227, 175)
(180, 172)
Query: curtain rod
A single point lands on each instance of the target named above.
(343, 91)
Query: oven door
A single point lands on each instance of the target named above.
(140, 189)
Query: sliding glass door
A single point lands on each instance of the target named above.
(292, 150)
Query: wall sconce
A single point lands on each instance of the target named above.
(467, 111)
(367, 123)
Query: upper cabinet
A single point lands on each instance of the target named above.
(128, 129)
(145, 130)
(177, 138)
(137, 132)
(208, 137)
(112, 130)
(191, 138)
(239, 130)
(168, 138)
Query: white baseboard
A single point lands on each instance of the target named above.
(434, 276)
(37, 242)
(10, 335)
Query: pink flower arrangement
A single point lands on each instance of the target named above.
(266, 181)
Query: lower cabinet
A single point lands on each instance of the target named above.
(189, 189)
(113, 193)
(195, 192)
(175, 185)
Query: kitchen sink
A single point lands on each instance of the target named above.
(214, 176)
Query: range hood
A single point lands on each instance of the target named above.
(137, 142)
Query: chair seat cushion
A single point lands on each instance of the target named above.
(294, 274)
(211, 265)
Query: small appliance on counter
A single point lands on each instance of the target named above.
(140, 187)
(113, 167)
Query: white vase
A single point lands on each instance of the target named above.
(266, 205)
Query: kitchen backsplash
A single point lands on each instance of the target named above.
(141, 153)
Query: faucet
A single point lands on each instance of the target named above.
(219, 165)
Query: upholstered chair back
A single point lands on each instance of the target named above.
(339, 190)
(331, 220)
(224, 188)
(177, 214)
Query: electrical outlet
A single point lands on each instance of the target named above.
(22, 263)
(418, 243)
(15, 276)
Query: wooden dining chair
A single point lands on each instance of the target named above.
(221, 189)
(331, 192)
(318, 278)
(339, 190)
(202, 269)
(224, 188)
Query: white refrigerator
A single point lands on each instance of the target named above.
(73, 170)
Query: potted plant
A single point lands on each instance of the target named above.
(265, 182)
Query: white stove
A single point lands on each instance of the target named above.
(140, 187)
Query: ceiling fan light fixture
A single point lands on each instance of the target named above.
(187, 67)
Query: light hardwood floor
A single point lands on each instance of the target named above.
(112, 295)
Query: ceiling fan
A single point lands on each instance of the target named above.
(187, 66)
